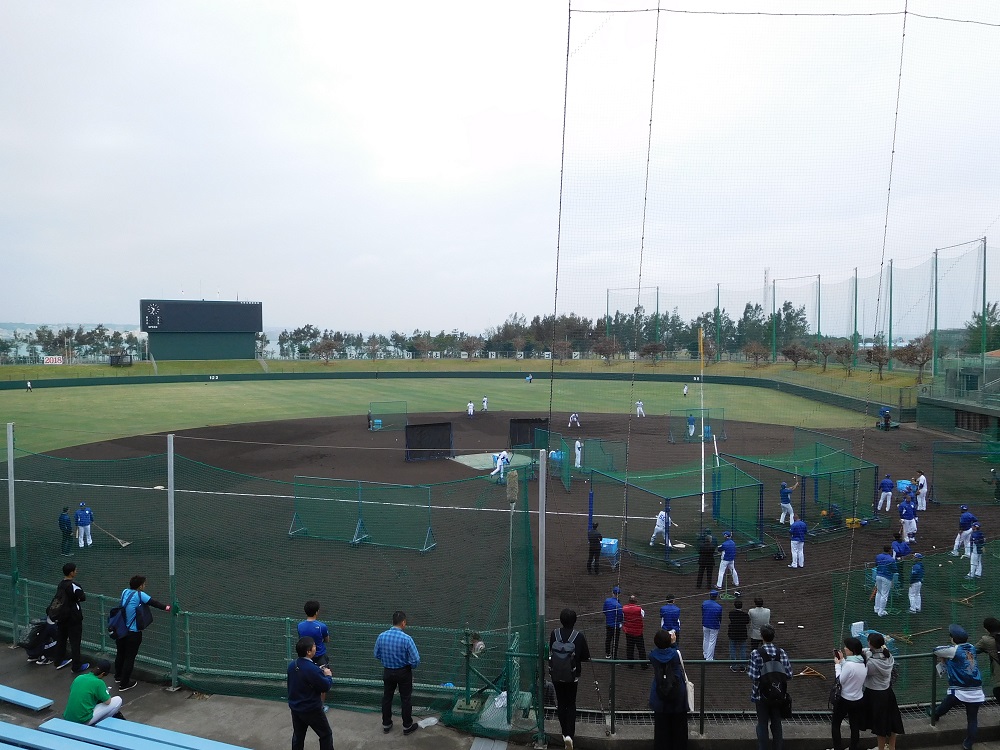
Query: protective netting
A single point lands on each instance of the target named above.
(242, 575)
(696, 425)
(387, 415)
(965, 473)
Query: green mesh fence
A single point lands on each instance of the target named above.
(963, 473)
(387, 415)
(947, 597)
(696, 425)
(731, 502)
(241, 580)
(603, 455)
(561, 456)
(357, 512)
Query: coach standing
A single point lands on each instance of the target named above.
(398, 654)
(307, 683)
(797, 531)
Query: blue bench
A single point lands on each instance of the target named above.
(91, 737)
(21, 698)
(36, 740)
(166, 736)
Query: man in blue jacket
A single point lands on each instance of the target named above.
(916, 584)
(885, 569)
(965, 522)
(977, 541)
(306, 683)
(728, 550)
(965, 683)
(613, 619)
(84, 517)
(797, 531)
(670, 616)
(711, 622)
(66, 529)
(908, 517)
(885, 488)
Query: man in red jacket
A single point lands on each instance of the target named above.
(633, 616)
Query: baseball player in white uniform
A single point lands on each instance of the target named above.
(502, 461)
(486, 403)
(663, 523)
(574, 420)
(579, 455)
(638, 409)
(921, 483)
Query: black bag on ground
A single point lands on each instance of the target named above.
(563, 658)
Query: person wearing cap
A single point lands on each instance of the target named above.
(995, 481)
(785, 494)
(797, 531)
(711, 622)
(670, 616)
(84, 516)
(662, 528)
(594, 540)
(89, 701)
(728, 550)
(885, 569)
(977, 541)
(128, 645)
(900, 548)
(965, 522)
(578, 454)
(965, 683)
(921, 483)
(849, 666)
(307, 683)
(633, 621)
(916, 584)
(988, 644)
(613, 620)
(885, 488)
(908, 517)
(706, 559)
(66, 529)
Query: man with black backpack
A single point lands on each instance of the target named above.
(770, 672)
(567, 651)
(67, 614)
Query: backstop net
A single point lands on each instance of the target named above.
(387, 415)
(947, 596)
(231, 534)
(602, 455)
(428, 442)
(696, 425)
(721, 498)
(521, 431)
(964, 472)
(561, 456)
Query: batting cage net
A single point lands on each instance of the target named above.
(387, 415)
(243, 573)
(964, 473)
(561, 456)
(720, 499)
(521, 432)
(946, 596)
(696, 425)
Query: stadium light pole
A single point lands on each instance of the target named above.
(14, 573)
(984, 315)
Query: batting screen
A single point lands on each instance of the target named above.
(427, 442)
(522, 431)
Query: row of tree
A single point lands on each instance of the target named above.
(71, 342)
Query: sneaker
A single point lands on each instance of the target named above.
(954, 553)
(42, 661)
(387, 728)
(83, 667)
(32, 659)
(793, 566)
(607, 656)
(411, 729)
(64, 663)
(650, 544)
(568, 743)
(127, 686)
(969, 577)
(326, 709)
(734, 668)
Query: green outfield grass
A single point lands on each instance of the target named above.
(51, 418)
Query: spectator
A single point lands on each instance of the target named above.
(307, 684)
(759, 617)
(706, 560)
(988, 645)
(70, 620)
(634, 620)
(739, 621)
(314, 628)
(764, 660)
(128, 645)
(399, 656)
(849, 665)
(565, 688)
(711, 622)
(89, 701)
(670, 716)
(880, 704)
(594, 539)
(965, 683)
(613, 620)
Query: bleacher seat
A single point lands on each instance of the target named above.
(166, 736)
(65, 731)
(21, 698)
(34, 739)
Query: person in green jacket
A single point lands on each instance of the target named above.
(89, 701)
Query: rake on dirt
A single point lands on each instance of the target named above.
(122, 542)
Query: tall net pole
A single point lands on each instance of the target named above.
(14, 575)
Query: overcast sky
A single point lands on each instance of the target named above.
(396, 165)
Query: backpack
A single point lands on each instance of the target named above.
(59, 606)
(118, 626)
(668, 688)
(773, 683)
(563, 657)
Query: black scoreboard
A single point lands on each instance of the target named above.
(190, 316)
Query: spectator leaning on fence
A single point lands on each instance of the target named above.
(965, 683)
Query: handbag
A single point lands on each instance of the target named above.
(117, 624)
(835, 693)
(687, 683)
(143, 615)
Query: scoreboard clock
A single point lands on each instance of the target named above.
(190, 316)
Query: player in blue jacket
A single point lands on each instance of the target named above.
(785, 493)
(916, 583)
(711, 622)
(977, 540)
(885, 569)
(797, 531)
(885, 487)
(900, 548)
(613, 619)
(908, 517)
(728, 550)
(670, 616)
(84, 516)
(965, 522)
